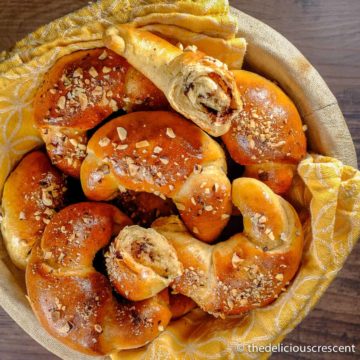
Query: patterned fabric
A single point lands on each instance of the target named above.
(325, 187)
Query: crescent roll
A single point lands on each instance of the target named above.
(248, 270)
(80, 91)
(196, 85)
(159, 152)
(267, 136)
(33, 193)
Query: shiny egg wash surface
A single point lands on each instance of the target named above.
(149, 153)
(269, 127)
(85, 87)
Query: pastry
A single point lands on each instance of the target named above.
(72, 300)
(162, 153)
(140, 263)
(79, 92)
(251, 268)
(33, 193)
(267, 136)
(196, 85)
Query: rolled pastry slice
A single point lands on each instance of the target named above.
(161, 153)
(33, 192)
(196, 85)
(267, 136)
(73, 301)
(250, 269)
(79, 92)
(140, 263)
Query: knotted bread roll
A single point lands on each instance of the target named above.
(79, 92)
(72, 300)
(160, 152)
(267, 136)
(196, 85)
(248, 270)
(251, 268)
(33, 192)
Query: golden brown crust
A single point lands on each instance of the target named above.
(248, 270)
(277, 176)
(32, 194)
(73, 301)
(267, 130)
(160, 152)
(79, 92)
(180, 305)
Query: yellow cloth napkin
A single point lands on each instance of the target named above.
(328, 189)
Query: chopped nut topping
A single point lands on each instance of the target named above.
(164, 160)
(47, 255)
(65, 329)
(105, 141)
(180, 206)
(157, 149)
(170, 133)
(103, 55)
(98, 328)
(195, 230)
(122, 133)
(279, 277)
(122, 188)
(22, 216)
(236, 260)
(61, 102)
(83, 100)
(78, 73)
(46, 198)
(93, 72)
(122, 147)
(141, 144)
(192, 48)
(106, 70)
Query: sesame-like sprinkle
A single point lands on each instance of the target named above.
(122, 133)
(98, 328)
(106, 70)
(170, 133)
(105, 141)
(93, 72)
(103, 55)
(141, 144)
(157, 149)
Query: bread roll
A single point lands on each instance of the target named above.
(33, 192)
(72, 300)
(161, 153)
(267, 136)
(79, 92)
(250, 269)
